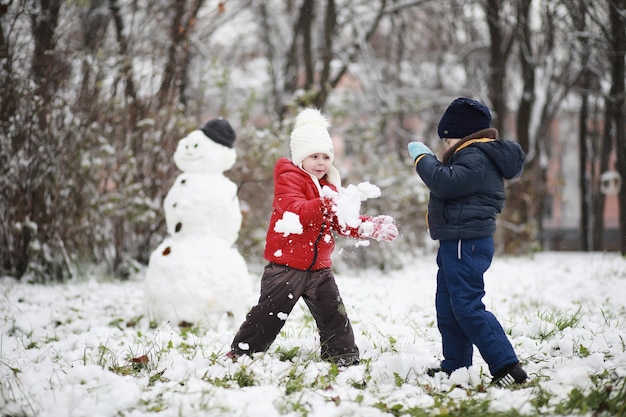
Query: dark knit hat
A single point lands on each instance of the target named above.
(463, 117)
(220, 131)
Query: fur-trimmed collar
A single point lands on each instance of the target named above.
(489, 133)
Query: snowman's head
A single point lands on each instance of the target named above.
(197, 153)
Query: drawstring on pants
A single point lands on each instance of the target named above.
(458, 250)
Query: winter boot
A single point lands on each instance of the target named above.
(509, 376)
(344, 360)
(431, 372)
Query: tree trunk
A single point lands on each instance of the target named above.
(517, 229)
(127, 69)
(597, 242)
(292, 69)
(175, 74)
(94, 24)
(266, 26)
(45, 69)
(176, 39)
(584, 171)
(499, 51)
(617, 98)
(327, 54)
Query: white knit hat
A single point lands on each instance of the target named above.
(310, 135)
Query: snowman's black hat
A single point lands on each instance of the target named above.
(220, 131)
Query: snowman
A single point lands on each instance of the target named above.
(196, 275)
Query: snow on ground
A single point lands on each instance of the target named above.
(84, 348)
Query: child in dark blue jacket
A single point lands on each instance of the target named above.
(466, 195)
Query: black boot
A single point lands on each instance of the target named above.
(509, 376)
(431, 372)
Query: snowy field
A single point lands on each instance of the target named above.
(85, 348)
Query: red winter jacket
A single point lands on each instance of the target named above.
(295, 192)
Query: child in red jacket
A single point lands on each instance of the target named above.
(299, 244)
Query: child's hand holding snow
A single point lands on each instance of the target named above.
(348, 206)
(380, 228)
(347, 202)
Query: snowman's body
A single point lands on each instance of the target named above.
(194, 201)
(196, 275)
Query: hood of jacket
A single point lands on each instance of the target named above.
(506, 155)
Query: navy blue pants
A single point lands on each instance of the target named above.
(462, 318)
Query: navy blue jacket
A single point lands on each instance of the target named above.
(467, 188)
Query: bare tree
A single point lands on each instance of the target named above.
(93, 24)
(174, 73)
(543, 69)
(130, 90)
(524, 197)
(91, 113)
(501, 41)
(617, 99)
(579, 18)
(601, 50)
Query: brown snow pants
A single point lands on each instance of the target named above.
(281, 287)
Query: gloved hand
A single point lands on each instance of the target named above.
(418, 148)
(383, 228)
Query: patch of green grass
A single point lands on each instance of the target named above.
(398, 380)
(560, 322)
(606, 398)
(400, 410)
(469, 407)
(542, 398)
(583, 351)
(326, 381)
(224, 382)
(294, 381)
(155, 404)
(186, 332)
(285, 355)
(157, 377)
(187, 350)
(242, 377)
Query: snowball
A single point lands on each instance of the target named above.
(367, 191)
(347, 202)
(290, 223)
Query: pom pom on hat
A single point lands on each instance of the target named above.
(220, 131)
(310, 135)
(463, 117)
